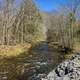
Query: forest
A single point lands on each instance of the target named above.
(34, 42)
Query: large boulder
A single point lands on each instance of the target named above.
(67, 70)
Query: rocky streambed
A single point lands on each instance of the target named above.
(67, 70)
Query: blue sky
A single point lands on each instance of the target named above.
(50, 5)
(47, 5)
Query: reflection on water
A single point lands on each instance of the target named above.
(32, 67)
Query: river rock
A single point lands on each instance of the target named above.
(67, 70)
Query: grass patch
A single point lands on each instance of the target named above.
(77, 46)
(13, 51)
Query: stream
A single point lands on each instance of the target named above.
(33, 67)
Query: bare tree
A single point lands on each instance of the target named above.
(64, 23)
(7, 20)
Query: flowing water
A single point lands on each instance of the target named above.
(38, 64)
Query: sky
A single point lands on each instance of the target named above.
(47, 5)
(50, 5)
